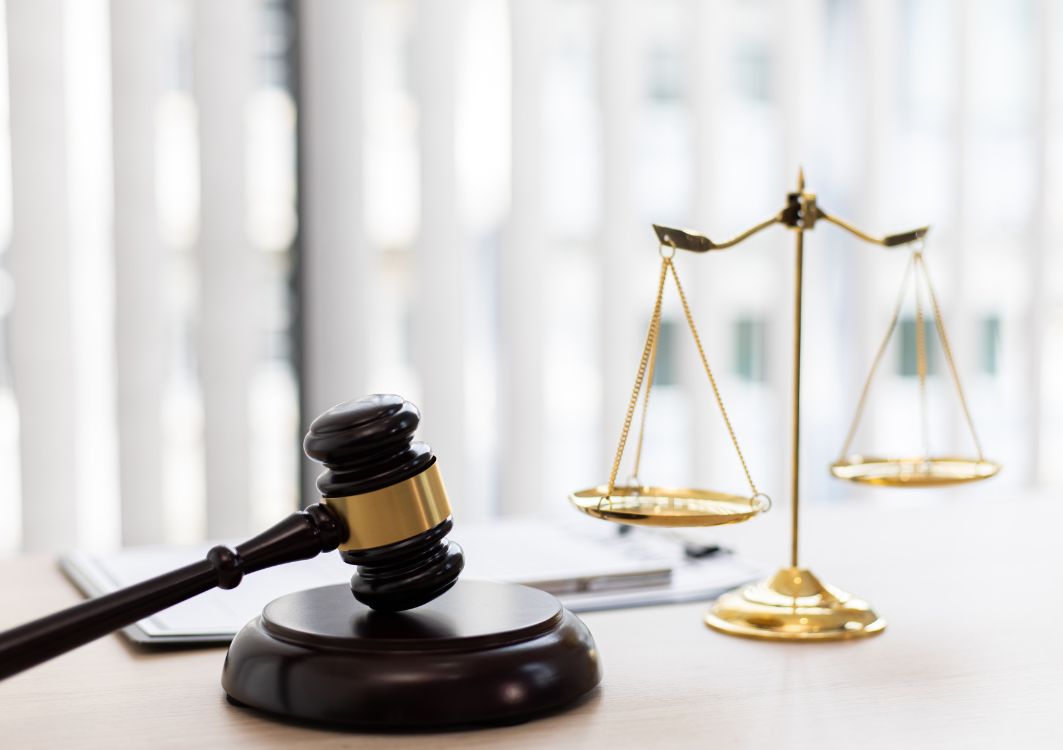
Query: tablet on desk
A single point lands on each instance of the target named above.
(587, 567)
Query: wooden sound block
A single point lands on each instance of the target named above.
(483, 652)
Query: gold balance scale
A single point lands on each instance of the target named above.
(793, 604)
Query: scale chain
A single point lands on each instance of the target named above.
(917, 263)
(712, 379)
(947, 348)
(647, 365)
(656, 323)
(920, 358)
(862, 402)
(651, 338)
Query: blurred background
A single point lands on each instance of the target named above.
(219, 218)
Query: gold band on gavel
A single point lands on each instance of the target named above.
(394, 513)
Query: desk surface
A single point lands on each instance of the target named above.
(971, 657)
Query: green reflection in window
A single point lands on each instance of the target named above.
(749, 349)
(991, 345)
(907, 364)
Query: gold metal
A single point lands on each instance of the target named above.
(712, 381)
(795, 417)
(939, 323)
(862, 402)
(648, 350)
(793, 605)
(920, 366)
(393, 513)
(636, 503)
(667, 506)
(685, 239)
(926, 470)
(646, 402)
(935, 471)
(889, 240)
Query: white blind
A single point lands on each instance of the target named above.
(338, 293)
(40, 326)
(229, 301)
(140, 268)
(476, 183)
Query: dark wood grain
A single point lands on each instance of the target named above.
(484, 652)
(300, 536)
(365, 445)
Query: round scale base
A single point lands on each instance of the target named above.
(937, 471)
(483, 652)
(666, 506)
(793, 605)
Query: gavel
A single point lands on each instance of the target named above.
(384, 507)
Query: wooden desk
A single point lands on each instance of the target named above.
(971, 658)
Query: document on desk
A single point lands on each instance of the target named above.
(589, 567)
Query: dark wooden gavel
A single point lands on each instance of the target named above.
(383, 506)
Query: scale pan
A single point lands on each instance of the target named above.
(936, 471)
(667, 506)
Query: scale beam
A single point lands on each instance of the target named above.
(890, 240)
(802, 213)
(685, 239)
(794, 604)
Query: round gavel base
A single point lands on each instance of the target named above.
(483, 652)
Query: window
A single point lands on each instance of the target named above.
(752, 71)
(749, 349)
(990, 361)
(666, 372)
(665, 73)
(515, 148)
(907, 363)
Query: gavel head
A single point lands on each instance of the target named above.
(389, 492)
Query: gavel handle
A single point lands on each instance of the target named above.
(300, 536)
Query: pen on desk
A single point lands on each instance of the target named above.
(697, 551)
(692, 550)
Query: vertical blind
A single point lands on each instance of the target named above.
(218, 219)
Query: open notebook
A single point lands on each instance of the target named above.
(588, 567)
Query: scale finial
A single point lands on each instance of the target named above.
(800, 179)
